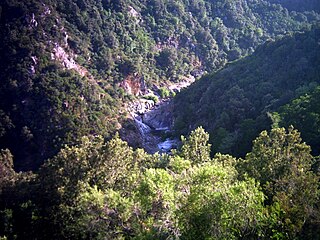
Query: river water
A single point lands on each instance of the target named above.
(154, 124)
(155, 121)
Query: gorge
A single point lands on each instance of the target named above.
(159, 119)
(154, 120)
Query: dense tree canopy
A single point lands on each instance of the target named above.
(235, 104)
(100, 190)
(65, 60)
(69, 69)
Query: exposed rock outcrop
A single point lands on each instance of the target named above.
(160, 118)
(67, 60)
(150, 121)
(134, 84)
(141, 106)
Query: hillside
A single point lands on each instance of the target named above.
(235, 103)
(304, 113)
(80, 76)
(68, 66)
(297, 5)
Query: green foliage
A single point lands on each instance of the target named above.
(106, 190)
(217, 206)
(7, 173)
(196, 148)
(233, 104)
(304, 114)
(178, 164)
(91, 188)
(282, 163)
(154, 98)
(109, 41)
(277, 154)
(164, 92)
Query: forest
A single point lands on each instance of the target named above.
(65, 61)
(236, 103)
(107, 190)
(246, 164)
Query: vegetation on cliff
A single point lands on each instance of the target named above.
(237, 102)
(68, 68)
(64, 62)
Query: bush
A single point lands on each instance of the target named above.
(164, 92)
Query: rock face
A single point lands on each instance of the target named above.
(167, 145)
(160, 118)
(141, 106)
(66, 60)
(149, 140)
(155, 123)
(134, 84)
(152, 121)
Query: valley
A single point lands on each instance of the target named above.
(159, 119)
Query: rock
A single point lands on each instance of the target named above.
(160, 118)
(66, 59)
(168, 144)
(151, 120)
(141, 106)
(134, 84)
(33, 22)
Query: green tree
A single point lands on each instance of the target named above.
(282, 163)
(304, 114)
(76, 181)
(215, 205)
(195, 148)
(7, 173)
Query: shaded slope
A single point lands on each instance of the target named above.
(304, 114)
(46, 98)
(233, 104)
(63, 62)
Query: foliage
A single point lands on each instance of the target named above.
(99, 190)
(49, 99)
(196, 148)
(304, 114)
(282, 163)
(233, 104)
(154, 98)
(63, 65)
(164, 92)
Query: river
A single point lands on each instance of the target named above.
(153, 124)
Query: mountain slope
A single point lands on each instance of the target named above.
(233, 104)
(65, 63)
(304, 114)
(46, 98)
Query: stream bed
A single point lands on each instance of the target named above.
(154, 121)
(154, 124)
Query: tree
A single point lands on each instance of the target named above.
(304, 114)
(282, 163)
(74, 183)
(215, 205)
(196, 148)
(7, 173)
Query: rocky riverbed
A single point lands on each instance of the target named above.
(154, 123)
(151, 122)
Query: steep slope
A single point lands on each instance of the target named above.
(67, 66)
(169, 39)
(297, 5)
(304, 114)
(233, 104)
(47, 99)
